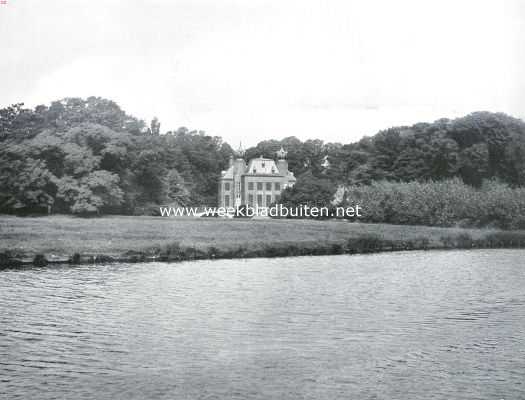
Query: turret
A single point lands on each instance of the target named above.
(239, 165)
(239, 153)
(239, 168)
(282, 163)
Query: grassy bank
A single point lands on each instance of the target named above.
(78, 240)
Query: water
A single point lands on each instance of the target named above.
(433, 325)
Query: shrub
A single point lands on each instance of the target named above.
(365, 244)
(75, 259)
(7, 260)
(464, 241)
(444, 203)
(506, 239)
(39, 260)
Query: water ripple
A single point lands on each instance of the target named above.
(434, 325)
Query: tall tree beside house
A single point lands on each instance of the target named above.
(309, 190)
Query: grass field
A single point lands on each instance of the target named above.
(115, 235)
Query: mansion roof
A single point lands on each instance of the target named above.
(258, 166)
(262, 166)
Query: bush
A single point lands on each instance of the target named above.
(39, 260)
(444, 203)
(464, 241)
(505, 239)
(365, 244)
(8, 260)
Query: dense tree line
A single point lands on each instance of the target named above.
(477, 148)
(89, 156)
(474, 148)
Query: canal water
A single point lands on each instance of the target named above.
(412, 325)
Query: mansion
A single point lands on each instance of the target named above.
(256, 183)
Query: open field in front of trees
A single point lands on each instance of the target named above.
(190, 238)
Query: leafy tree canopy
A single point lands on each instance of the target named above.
(89, 156)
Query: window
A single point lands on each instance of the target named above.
(273, 170)
(227, 187)
(268, 200)
(259, 199)
(268, 185)
(277, 198)
(277, 186)
(254, 171)
(250, 185)
(250, 200)
(259, 185)
(262, 164)
(226, 201)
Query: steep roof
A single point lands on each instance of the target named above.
(228, 174)
(262, 166)
(259, 166)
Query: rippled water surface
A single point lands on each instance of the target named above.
(418, 325)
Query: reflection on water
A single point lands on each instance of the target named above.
(434, 325)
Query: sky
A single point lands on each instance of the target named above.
(251, 70)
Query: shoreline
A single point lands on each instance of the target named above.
(64, 239)
(366, 244)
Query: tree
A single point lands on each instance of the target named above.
(176, 189)
(149, 174)
(26, 185)
(309, 191)
(474, 164)
(92, 193)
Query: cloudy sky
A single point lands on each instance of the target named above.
(252, 69)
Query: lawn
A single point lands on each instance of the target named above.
(114, 235)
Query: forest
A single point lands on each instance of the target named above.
(88, 157)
